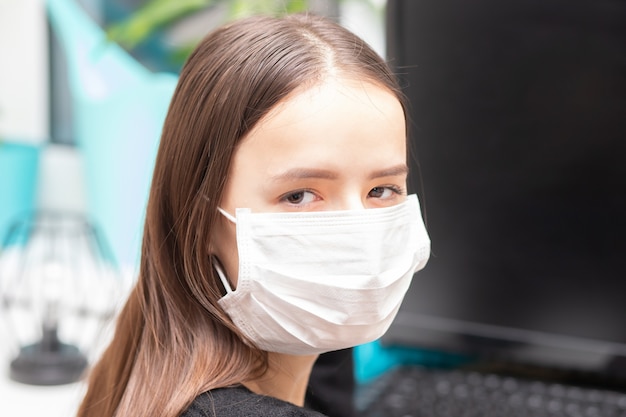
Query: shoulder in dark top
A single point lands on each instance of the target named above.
(241, 402)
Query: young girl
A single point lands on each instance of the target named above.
(278, 226)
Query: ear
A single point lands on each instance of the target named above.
(214, 232)
(211, 247)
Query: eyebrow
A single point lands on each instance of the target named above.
(393, 171)
(305, 173)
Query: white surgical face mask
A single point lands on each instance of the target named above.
(312, 282)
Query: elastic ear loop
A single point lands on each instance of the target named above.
(216, 264)
(220, 273)
(227, 215)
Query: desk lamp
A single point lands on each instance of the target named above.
(59, 287)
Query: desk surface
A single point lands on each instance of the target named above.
(20, 400)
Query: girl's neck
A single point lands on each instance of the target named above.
(287, 378)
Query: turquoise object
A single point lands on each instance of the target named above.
(374, 359)
(19, 166)
(118, 108)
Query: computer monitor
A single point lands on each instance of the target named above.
(518, 128)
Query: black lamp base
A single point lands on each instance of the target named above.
(36, 365)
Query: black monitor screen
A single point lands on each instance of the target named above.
(518, 115)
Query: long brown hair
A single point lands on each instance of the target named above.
(172, 340)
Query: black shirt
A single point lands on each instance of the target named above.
(241, 402)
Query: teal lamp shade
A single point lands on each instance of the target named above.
(118, 107)
(19, 164)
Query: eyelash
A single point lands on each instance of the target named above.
(285, 197)
(393, 188)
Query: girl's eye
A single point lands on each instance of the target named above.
(384, 192)
(299, 197)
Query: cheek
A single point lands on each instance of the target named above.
(224, 248)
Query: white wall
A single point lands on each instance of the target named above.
(367, 20)
(23, 70)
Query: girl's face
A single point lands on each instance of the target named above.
(339, 145)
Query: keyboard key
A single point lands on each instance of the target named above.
(419, 392)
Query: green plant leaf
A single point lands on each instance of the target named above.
(297, 6)
(243, 8)
(154, 15)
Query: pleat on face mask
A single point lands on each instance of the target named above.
(319, 281)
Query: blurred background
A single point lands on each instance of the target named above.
(517, 112)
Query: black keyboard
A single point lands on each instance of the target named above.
(418, 392)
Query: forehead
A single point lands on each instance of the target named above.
(344, 126)
(336, 104)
